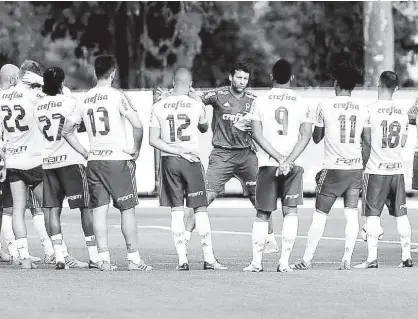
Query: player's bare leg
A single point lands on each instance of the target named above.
(90, 238)
(404, 230)
(130, 233)
(289, 233)
(204, 230)
(259, 236)
(100, 229)
(180, 242)
(19, 192)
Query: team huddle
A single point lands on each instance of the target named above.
(258, 140)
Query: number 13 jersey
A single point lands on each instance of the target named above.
(50, 114)
(343, 119)
(281, 112)
(103, 111)
(389, 123)
(178, 118)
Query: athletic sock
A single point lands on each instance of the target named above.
(373, 232)
(92, 248)
(179, 237)
(351, 231)
(404, 230)
(289, 233)
(39, 224)
(204, 230)
(316, 231)
(104, 255)
(134, 257)
(22, 248)
(259, 236)
(9, 236)
(58, 247)
(65, 249)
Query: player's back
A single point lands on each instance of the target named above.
(103, 115)
(178, 117)
(21, 132)
(389, 123)
(343, 119)
(281, 112)
(50, 114)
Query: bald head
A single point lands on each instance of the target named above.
(9, 74)
(182, 81)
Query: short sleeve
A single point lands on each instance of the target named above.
(75, 115)
(319, 117)
(125, 105)
(209, 98)
(203, 117)
(255, 111)
(154, 122)
(413, 111)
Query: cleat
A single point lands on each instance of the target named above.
(71, 262)
(345, 265)
(252, 268)
(35, 259)
(27, 263)
(284, 269)
(94, 265)
(49, 259)
(406, 263)
(61, 266)
(4, 257)
(302, 265)
(183, 267)
(214, 266)
(106, 266)
(367, 265)
(141, 266)
(15, 261)
(271, 247)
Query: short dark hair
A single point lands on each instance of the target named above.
(347, 76)
(30, 66)
(389, 79)
(53, 79)
(239, 66)
(281, 71)
(104, 65)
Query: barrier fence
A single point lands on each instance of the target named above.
(148, 161)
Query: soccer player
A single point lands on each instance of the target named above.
(282, 127)
(64, 170)
(111, 165)
(343, 124)
(233, 149)
(174, 129)
(383, 181)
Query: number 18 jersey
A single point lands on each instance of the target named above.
(178, 118)
(103, 111)
(343, 119)
(389, 123)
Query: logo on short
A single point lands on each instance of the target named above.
(292, 196)
(126, 197)
(250, 183)
(195, 194)
(403, 206)
(75, 197)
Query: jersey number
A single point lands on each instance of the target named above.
(281, 115)
(47, 126)
(390, 134)
(104, 118)
(18, 118)
(343, 125)
(180, 129)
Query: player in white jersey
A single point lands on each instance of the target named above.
(64, 171)
(343, 124)
(174, 129)
(383, 181)
(111, 165)
(282, 127)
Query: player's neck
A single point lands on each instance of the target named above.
(179, 91)
(281, 86)
(344, 93)
(385, 96)
(235, 93)
(104, 83)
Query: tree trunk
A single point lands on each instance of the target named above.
(378, 31)
(122, 45)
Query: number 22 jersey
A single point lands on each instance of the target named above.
(103, 111)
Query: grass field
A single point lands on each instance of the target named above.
(323, 292)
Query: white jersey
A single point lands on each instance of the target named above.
(389, 123)
(281, 112)
(50, 114)
(103, 111)
(343, 119)
(21, 134)
(178, 118)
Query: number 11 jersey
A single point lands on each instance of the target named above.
(343, 119)
(178, 118)
(103, 111)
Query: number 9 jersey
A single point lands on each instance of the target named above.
(178, 117)
(389, 128)
(103, 111)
